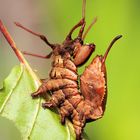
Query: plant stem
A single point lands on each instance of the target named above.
(17, 52)
(11, 42)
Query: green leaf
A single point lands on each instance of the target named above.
(8, 130)
(31, 119)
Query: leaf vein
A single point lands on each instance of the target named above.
(11, 91)
(35, 118)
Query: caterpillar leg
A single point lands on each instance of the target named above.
(54, 85)
(57, 98)
(42, 89)
(78, 120)
(65, 110)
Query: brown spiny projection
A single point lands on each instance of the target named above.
(82, 103)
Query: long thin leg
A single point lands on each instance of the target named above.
(83, 8)
(81, 31)
(83, 16)
(37, 55)
(80, 23)
(36, 34)
(89, 27)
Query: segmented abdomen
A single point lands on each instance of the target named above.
(65, 70)
(68, 97)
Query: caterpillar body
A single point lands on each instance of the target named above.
(82, 102)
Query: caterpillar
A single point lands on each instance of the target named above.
(80, 98)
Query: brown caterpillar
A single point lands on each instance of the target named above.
(81, 104)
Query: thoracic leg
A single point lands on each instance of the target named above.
(53, 85)
(65, 110)
(43, 37)
(37, 55)
(57, 98)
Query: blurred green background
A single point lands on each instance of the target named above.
(54, 18)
